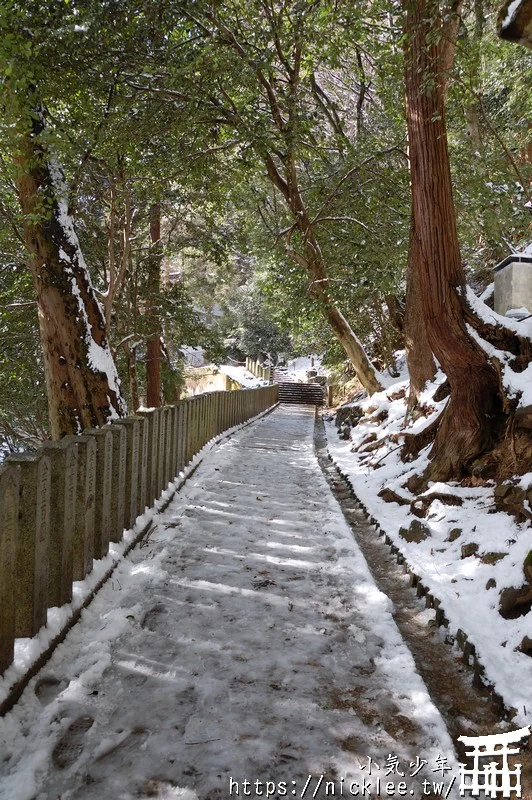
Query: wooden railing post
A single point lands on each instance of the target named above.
(181, 435)
(118, 494)
(131, 486)
(9, 504)
(142, 486)
(64, 458)
(31, 557)
(83, 544)
(161, 449)
(152, 435)
(104, 487)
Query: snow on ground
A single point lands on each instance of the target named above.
(297, 368)
(242, 376)
(468, 588)
(245, 640)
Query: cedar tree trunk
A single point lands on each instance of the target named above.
(465, 430)
(421, 366)
(82, 383)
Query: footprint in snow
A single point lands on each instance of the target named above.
(70, 745)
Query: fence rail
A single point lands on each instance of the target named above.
(256, 369)
(62, 505)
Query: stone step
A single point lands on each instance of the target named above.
(301, 393)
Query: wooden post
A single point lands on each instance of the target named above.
(132, 428)
(31, 558)
(104, 488)
(84, 525)
(9, 503)
(152, 419)
(64, 458)
(144, 473)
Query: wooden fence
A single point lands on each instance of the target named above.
(256, 369)
(61, 505)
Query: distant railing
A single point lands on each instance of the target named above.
(256, 369)
(61, 505)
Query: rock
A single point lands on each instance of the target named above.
(526, 646)
(491, 583)
(454, 533)
(514, 602)
(416, 532)
(511, 498)
(443, 391)
(527, 567)
(492, 557)
(421, 505)
(371, 437)
(347, 415)
(415, 484)
(389, 496)
(469, 550)
(523, 417)
(484, 468)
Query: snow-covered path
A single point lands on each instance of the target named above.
(244, 640)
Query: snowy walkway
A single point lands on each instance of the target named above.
(246, 638)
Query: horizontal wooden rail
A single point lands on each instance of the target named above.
(61, 505)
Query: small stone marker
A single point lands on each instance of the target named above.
(118, 494)
(31, 558)
(83, 543)
(9, 501)
(64, 459)
(132, 428)
(104, 487)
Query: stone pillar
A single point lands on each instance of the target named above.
(132, 428)
(104, 488)
(64, 458)
(9, 499)
(31, 558)
(83, 543)
(118, 493)
(152, 419)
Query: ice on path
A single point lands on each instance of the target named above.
(245, 639)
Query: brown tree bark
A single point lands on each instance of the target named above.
(310, 257)
(419, 358)
(82, 383)
(466, 427)
(516, 26)
(153, 348)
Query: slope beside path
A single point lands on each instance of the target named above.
(245, 640)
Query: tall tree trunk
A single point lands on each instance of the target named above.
(419, 359)
(153, 349)
(466, 427)
(82, 383)
(311, 259)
